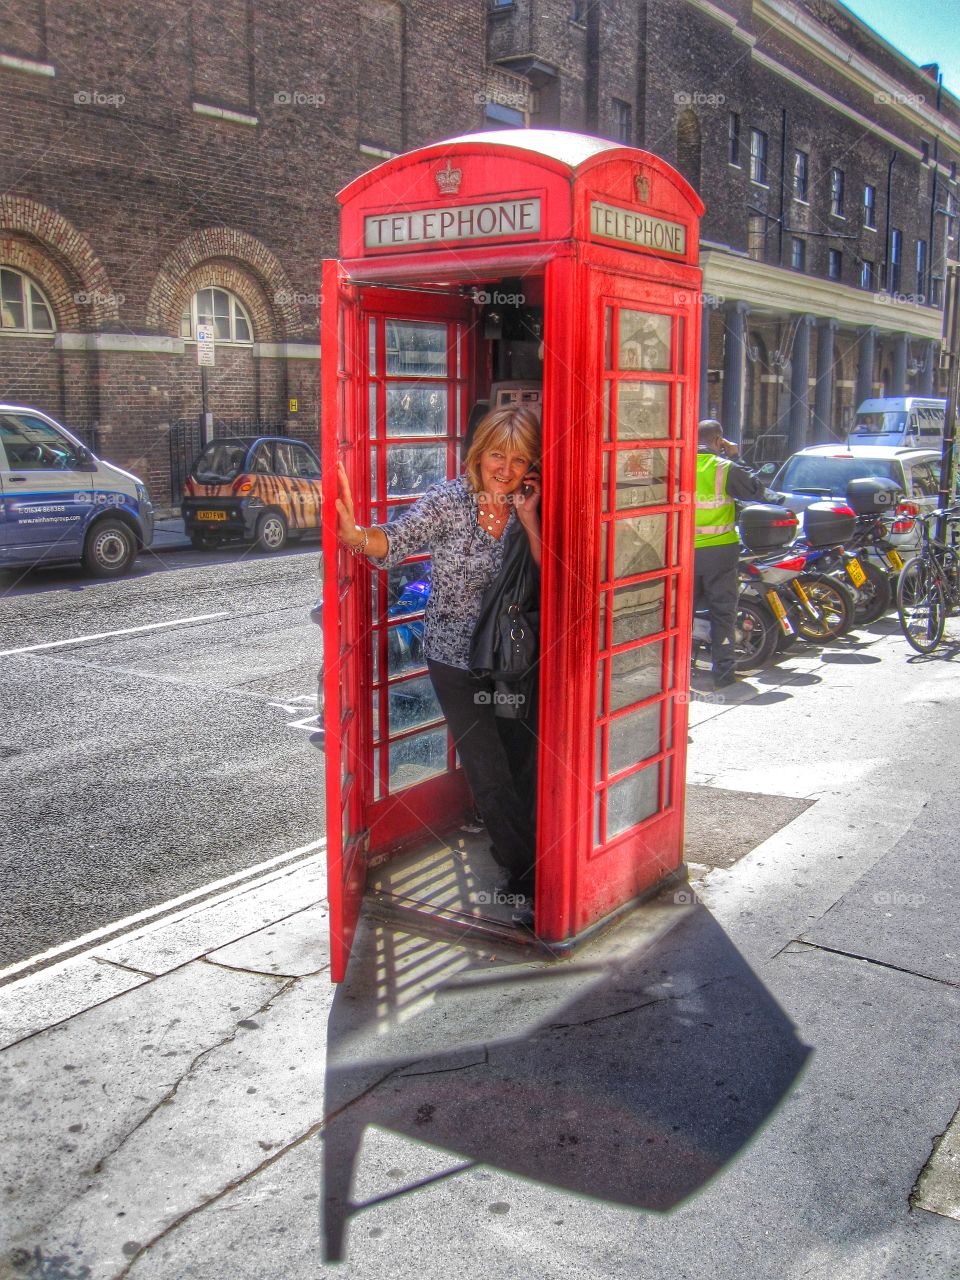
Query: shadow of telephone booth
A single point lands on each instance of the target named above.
(557, 271)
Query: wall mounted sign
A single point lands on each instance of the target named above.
(492, 220)
(639, 229)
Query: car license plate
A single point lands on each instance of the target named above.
(780, 613)
(893, 560)
(211, 515)
(855, 572)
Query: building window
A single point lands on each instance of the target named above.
(924, 152)
(23, 308)
(800, 167)
(869, 206)
(953, 170)
(868, 275)
(921, 267)
(798, 253)
(836, 192)
(758, 157)
(578, 11)
(757, 238)
(622, 121)
(220, 309)
(834, 264)
(896, 248)
(733, 133)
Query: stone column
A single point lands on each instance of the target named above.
(930, 350)
(865, 365)
(822, 425)
(734, 356)
(799, 387)
(703, 408)
(900, 348)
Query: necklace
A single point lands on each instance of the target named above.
(490, 518)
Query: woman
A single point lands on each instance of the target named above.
(464, 523)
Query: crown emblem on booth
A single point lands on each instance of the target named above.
(642, 184)
(449, 179)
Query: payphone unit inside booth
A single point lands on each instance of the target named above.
(557, 271)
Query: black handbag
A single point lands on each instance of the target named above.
(506, 640)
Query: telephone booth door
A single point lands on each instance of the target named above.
(402, 364)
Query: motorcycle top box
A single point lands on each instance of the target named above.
(874, 495)
(765, 527)
(827, 523)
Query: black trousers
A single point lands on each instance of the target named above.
(499, 757)
(715, 588)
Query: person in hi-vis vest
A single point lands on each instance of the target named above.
(720, 485)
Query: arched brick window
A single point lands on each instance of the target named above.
(23, 305)
(221, 309)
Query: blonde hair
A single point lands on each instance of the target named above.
(508, 429)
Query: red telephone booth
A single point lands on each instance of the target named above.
(561, 271)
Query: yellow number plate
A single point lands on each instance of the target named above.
(893, 560)
(855, 572)
(211, 515)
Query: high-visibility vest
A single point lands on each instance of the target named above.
(715, 516)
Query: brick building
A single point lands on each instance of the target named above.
(828, 164)
(165, 165)
(168, 163)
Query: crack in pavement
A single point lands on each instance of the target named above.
(646, 1004)
(854, 955)
(171, 1093)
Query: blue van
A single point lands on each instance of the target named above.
(58, 503)
(904, 422)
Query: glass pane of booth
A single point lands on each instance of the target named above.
(643, 410)
(642, 477)
(416, 349)
(417, 758)
(416, 411)
(638, 611)
(640, 545)
(413, 468)
(412, 703)
(644, 341)
(632, 738)
(636, 674)
(632, 800)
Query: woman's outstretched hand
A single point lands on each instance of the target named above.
(347, 530)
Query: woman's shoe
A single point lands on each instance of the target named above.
(523, 917)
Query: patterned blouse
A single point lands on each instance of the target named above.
(465, 559)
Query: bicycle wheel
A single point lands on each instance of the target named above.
(833, 604)
(920, 605)
(875, 597)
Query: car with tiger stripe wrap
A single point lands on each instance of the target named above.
(258, 489)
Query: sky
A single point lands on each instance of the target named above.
(924, 30)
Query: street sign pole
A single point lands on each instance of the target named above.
(205, 359)
(950, 354)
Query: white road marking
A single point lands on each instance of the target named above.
(105, 635)
(122, 926)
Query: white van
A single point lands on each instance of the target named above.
(60, 503)
(904, 422)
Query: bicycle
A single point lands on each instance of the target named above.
(928, 590)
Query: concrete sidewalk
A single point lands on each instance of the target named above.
(747, 1079)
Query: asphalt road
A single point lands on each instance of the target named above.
(139, 767)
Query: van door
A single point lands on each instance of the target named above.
(46, 498)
